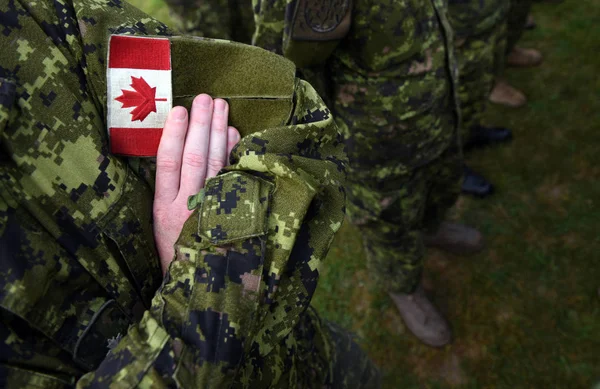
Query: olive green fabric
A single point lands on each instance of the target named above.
(392, 84)
(82, 298)
(222, 19)
(249, 80)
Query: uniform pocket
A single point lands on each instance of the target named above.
(235, 207)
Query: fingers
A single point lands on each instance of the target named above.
(193, 148)
(195, 153)
(168, 157)
(217, 150)
(233, 137)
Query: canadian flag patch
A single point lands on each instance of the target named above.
(139, 93)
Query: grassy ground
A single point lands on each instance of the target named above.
(526, 312)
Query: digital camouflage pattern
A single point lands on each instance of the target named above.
(80, 275)
(516, 19)
(222, 19)
(480, 51)
(393, 92)
(472, 17)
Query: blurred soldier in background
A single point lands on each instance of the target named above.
(222, 19)
(503, 93)
(516, 24)
(479, 28)
(390, 75)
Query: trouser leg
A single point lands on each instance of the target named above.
(517, 16)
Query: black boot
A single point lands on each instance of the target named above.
(475, 184)
(486, 136)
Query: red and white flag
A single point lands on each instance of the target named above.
(139, 93)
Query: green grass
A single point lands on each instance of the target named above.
(526, 312)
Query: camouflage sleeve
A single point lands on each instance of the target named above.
(307, 32)
(269, 20)
(248, 258)
(221, 19)
(210, 18)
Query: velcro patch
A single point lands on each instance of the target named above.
(139, 93)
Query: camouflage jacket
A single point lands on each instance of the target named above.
(472, 17)
(79, 273)
(397, 56)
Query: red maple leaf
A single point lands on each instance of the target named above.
(143, 99)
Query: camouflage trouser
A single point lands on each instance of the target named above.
(480, 59)
(393, 204)
(515, 25)
(221, 19)
(404, 163)
(394, 241)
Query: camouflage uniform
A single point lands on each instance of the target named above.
(479, 28)
(393, 79)
(79, 272)
(223, 19)
(516, 19)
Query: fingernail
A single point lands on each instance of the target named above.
(203, 101)
(220, 105)
(234, 134)
(179, 113)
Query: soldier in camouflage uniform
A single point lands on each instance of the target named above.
(79, 269)
(222, 19)
(517, 56)
(392, 88)
(479, 30)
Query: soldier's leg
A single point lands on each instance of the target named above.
(503, 93)
(516, 23)
(386, 201)
(516, 20)
(391, 232)
(394, 246)
(476, 56)
(444, 177)
(473, 55)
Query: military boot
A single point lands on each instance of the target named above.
(524, 58)
(530, 24)
(505, 94)
(456, 239)
(422, 318)
(475, 184)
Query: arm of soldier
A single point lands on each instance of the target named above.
(224, 304)
(238, 288)
(192, 149)
(269, 23)
(205, 18)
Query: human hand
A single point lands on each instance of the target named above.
(190, 151)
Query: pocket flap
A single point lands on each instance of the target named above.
(235, 207)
